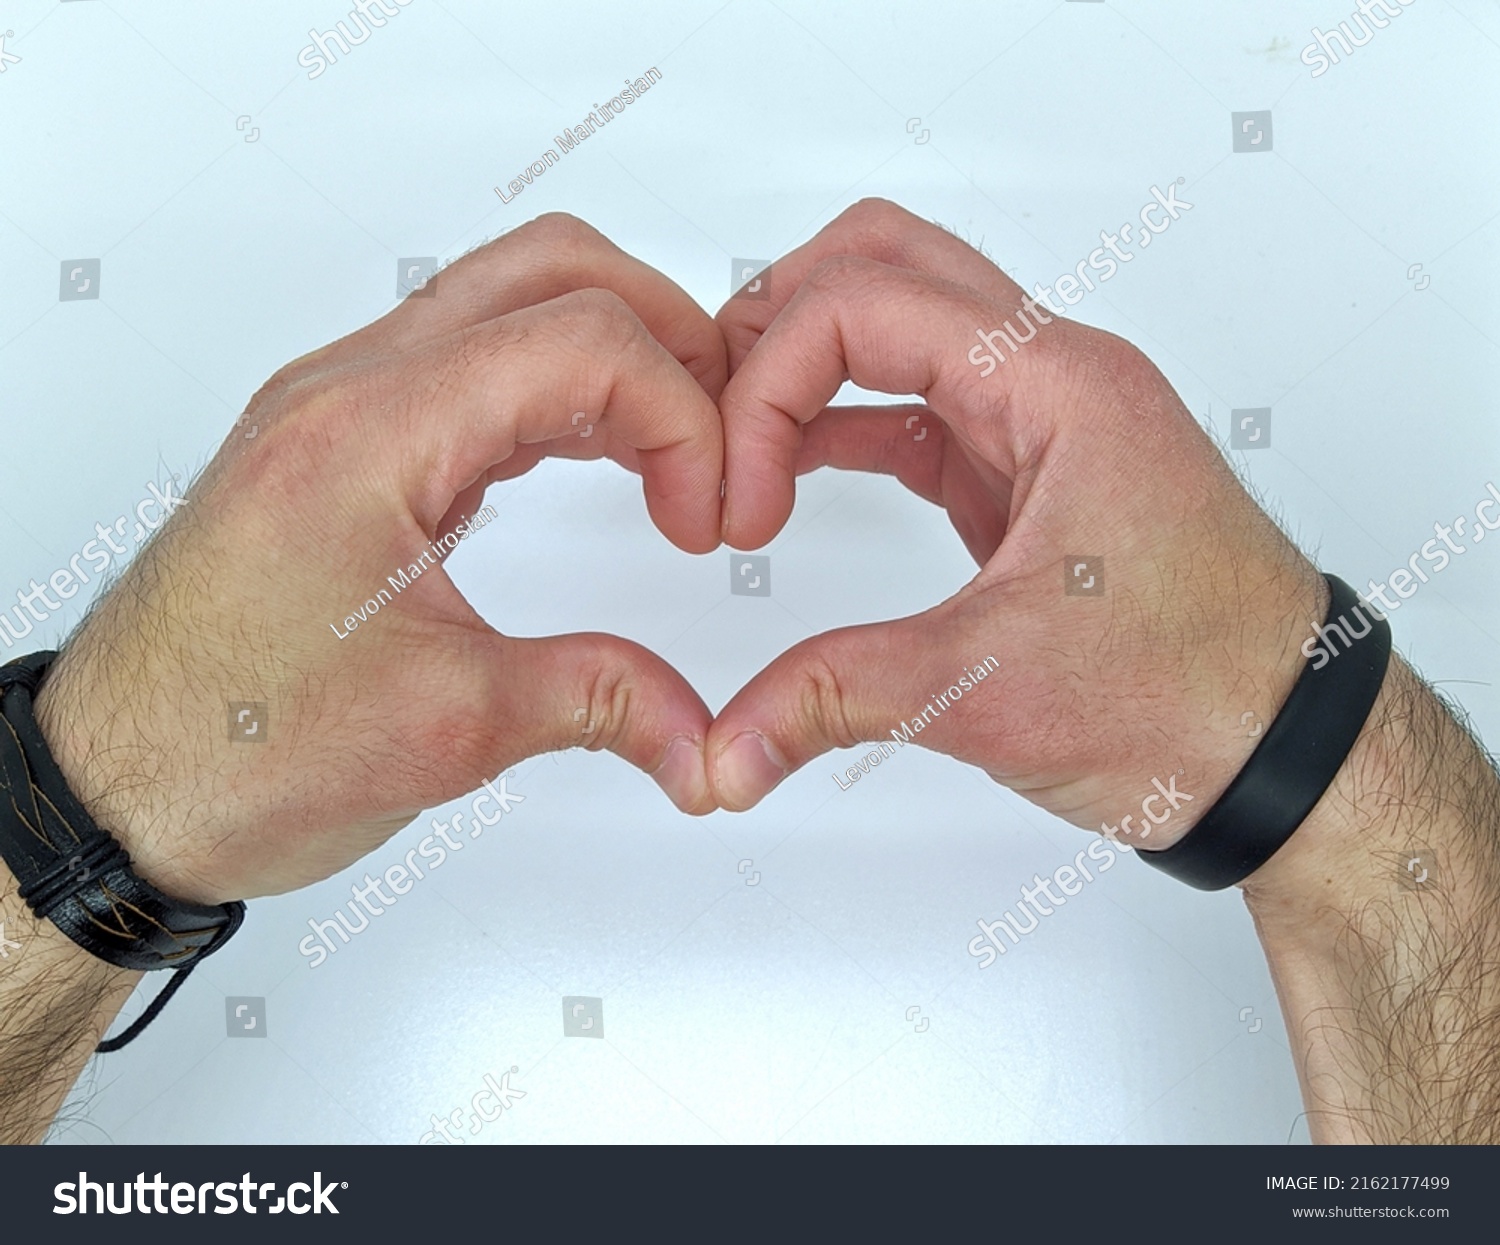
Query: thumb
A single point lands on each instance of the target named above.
(832, 691)
(605, 693)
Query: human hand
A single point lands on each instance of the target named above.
(367, 450)
(1075, 445)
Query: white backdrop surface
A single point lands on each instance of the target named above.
(242, 213)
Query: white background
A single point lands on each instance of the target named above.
(775, 1011)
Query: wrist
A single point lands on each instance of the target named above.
(128, 787)
(1374, 820)
(1231, 692)
(38, 953)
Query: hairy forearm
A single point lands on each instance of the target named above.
(1381, 922)
(56, 1001)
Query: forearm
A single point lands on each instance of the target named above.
(1389, 978)
(56, 1001)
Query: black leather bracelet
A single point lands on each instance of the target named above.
(1297, 760)
(75, 874)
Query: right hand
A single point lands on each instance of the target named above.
(1076, 446)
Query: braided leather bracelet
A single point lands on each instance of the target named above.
(75, 874)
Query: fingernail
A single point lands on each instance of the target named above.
(748, 770)
(680, 774)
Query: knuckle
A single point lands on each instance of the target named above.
(835, 273)
(609, 698)
(300, 370)
(1115, 352)
(598, 313)
(877, 214)
(328, 407)
(311, 424)
(271, 394)
(822, 703)
(1124, 367)
(292, 390)
(885, 231)
(560, 231)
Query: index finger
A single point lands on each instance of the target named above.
(468, 401)
(887, 329)
(553, 255)
(543, 259)
(873, 229)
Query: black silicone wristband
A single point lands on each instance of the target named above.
(1297, 760)
(75, 874)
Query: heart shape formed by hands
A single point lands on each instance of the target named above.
(1044, 439)
(1051, 446)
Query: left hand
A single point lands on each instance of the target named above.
(367, 452)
